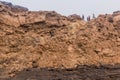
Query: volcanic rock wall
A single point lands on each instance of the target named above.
(40, 39)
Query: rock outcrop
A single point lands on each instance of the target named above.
(40, 39)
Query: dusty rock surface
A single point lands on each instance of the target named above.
(46, 39)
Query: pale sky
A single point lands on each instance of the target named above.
(67, 7)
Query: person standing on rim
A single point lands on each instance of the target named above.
(88, 18)
(82, 17)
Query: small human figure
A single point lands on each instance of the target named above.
(82, 17)
(88, 18)
(93, 16)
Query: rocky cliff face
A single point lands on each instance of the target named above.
(40, 39)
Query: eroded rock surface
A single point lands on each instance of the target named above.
(40, 39)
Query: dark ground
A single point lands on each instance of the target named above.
(80, 73)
